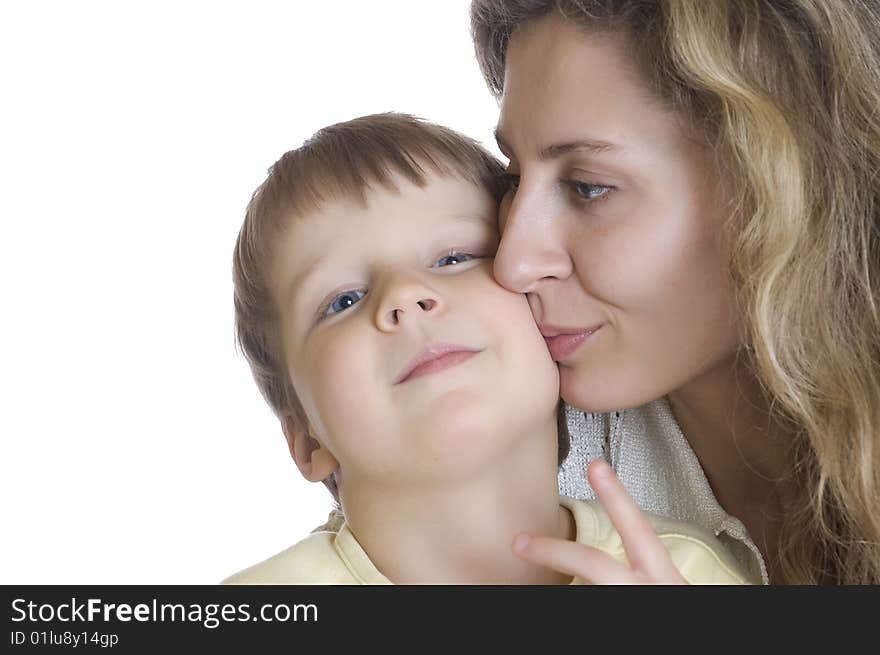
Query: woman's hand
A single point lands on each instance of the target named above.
(649, 561)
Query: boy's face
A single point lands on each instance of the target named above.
(410, 361)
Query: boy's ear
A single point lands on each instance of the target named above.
(312, 459)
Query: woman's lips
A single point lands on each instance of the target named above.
(563, 342)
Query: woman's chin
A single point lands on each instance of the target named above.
(590, 391)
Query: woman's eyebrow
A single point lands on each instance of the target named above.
(591, 146)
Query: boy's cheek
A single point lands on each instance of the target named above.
(518, 315)
(339, 376)
(489, 286)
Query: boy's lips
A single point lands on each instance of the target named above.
(562, 341)
(434, 358)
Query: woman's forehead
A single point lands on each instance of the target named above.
(566, 90)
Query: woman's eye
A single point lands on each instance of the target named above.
(343, 301)
(590, 191)
(453, 258)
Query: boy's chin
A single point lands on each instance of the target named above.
(464, 422)
(466, 412)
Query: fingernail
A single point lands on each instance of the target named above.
(520, 543)
(600, 467)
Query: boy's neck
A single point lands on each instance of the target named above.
(462, 533)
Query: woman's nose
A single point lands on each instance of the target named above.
(405, 300)
(533, 248)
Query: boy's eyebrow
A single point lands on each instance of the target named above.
(476, 217)
(314, 264)
(590, 146)
(302, 277)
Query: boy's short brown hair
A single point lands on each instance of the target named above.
(342, 161)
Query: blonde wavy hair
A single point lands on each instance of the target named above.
(787, 92)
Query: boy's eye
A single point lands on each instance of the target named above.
(343, 301)
(453, 258)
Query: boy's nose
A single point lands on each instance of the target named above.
(405, 300)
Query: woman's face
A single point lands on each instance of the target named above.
(612, 226)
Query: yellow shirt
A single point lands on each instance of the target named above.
(330, 558)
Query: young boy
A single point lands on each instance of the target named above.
(405, 378)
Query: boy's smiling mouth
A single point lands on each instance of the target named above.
(433, 359)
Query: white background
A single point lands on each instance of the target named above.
(135, 445)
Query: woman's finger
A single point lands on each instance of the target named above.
(644, 550)
(589, 564)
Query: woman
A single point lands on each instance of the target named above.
(694, 214)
